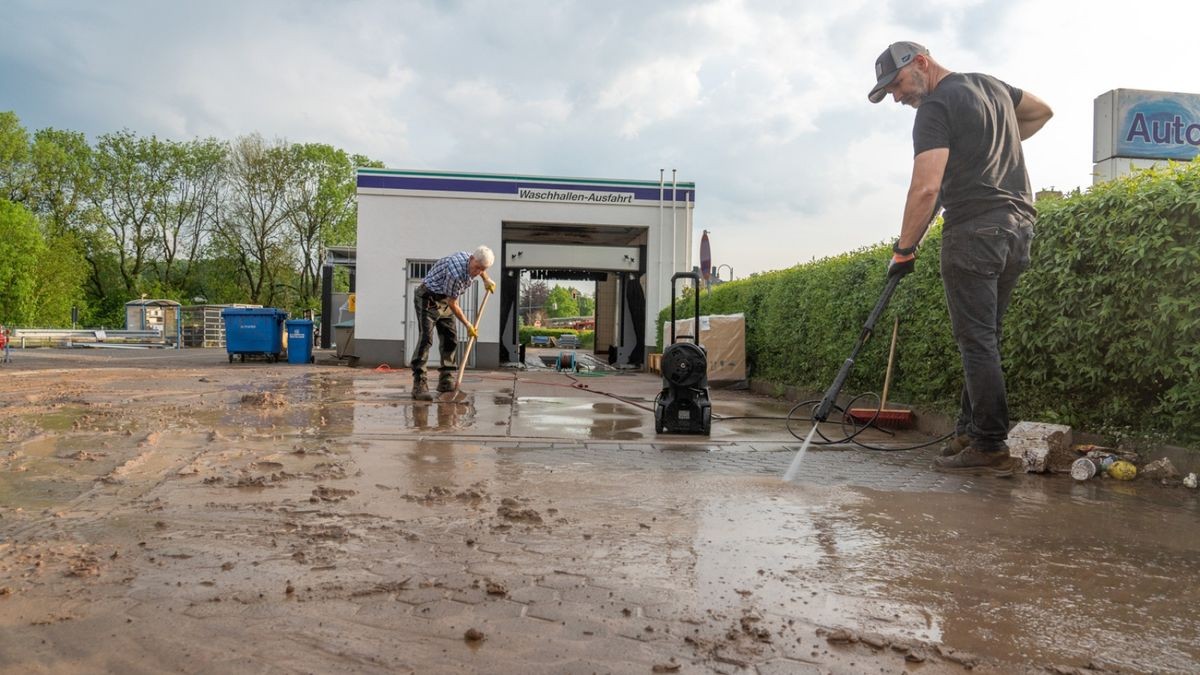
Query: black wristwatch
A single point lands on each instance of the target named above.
(903, 251)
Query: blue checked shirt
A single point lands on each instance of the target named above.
(449, 276)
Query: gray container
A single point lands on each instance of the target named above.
(1084, 469)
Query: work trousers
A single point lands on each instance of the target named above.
(981, 261)
(433, 313)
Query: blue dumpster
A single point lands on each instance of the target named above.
(300, 341)
(254, 331)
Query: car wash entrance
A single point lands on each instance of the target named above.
(625, 238)
(611, 258)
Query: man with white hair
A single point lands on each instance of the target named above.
(436, 302)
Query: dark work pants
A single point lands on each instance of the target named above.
(433, 313)
(981, 261)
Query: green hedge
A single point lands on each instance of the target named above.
(1103, 332)
(587, 338)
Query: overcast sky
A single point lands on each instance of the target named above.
(761, 103)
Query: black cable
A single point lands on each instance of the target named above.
(576, 384)
(851, 437)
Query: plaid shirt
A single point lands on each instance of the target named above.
(449, 276)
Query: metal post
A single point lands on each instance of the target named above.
(326, 305)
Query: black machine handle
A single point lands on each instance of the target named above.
(831, 394)
(695, 277)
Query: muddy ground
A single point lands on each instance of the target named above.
(171, 512)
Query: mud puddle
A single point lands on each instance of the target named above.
(244, 519)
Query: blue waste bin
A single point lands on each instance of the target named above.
(300, 341)
(254, 331)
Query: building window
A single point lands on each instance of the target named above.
(417, 269)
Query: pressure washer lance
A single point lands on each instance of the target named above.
(821, 413)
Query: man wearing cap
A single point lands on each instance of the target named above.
(967, 147)
(436, 305)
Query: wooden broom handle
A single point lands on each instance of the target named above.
(887, 379)
(462, 367)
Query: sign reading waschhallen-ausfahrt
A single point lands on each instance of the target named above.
(576, 196)
(1146, 124)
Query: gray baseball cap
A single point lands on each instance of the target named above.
(895, 57)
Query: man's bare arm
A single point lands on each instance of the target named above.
(457, 311)
(928, 169)
(1032, 114)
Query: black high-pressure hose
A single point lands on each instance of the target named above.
(851, 437)
(821, 410)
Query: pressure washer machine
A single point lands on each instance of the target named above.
(683, 406)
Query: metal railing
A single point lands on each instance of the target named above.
(65, 337)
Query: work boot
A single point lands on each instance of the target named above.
(973, 461)
(955, 445)
(446, 382)
(420, 389)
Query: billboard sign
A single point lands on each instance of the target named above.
(1146, 124)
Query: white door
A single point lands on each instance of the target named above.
(469, 302)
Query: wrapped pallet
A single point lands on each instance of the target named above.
(723, 336)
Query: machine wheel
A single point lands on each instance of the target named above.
(231, 358)
(706, 421)
(243, 357)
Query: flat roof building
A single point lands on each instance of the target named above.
(627, 236)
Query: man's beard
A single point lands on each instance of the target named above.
(922, 87)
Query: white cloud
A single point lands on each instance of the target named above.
(653, 92)
(763, 104)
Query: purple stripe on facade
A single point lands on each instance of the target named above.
(507, 188)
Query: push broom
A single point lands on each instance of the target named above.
(884, 417)
(455, 396)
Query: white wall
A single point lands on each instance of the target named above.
(394, 227)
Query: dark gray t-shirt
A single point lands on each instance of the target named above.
(974, 116)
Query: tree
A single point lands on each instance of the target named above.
(185, 214)
(14, 158)
(233, 222)
(134, 178)
(61, 185)
(20, 248)
(346, 233)
(60, 277)
(252, 221)
(60, 193)
(561, 303)
(533, 299)
(63, 193)
(321, 203)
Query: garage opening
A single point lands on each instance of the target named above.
(610, 260)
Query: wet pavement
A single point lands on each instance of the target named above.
(173, 512)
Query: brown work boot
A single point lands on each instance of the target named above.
(955, 445)
(446, 383)
(420, 389)
(970, 460)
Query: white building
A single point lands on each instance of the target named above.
(628, 236)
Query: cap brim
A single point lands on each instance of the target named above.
(877, 93)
